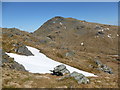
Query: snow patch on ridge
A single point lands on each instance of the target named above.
(40, 63)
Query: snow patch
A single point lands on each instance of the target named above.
(60, 23)
(40, 63)
(82, 44)
(109, 36)
(107, 28)
(101, 30)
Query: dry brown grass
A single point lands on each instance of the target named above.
(17, 79)
(84, 56)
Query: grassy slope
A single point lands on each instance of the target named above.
(81, 60)
(18, 79)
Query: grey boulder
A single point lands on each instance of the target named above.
(103, 67)
(23, 50)
(80, 78)
(60, 70)
(69, 54)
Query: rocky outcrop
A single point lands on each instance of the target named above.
(80, 78)
(103, 67)
(22, 49)
(9, 62)
(14, 41)
(60, 70)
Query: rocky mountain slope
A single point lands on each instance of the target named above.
(69, 33)
(79, 42)
(91, 47)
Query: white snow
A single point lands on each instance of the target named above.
(65, 27)
(101, 30)
(40, 63)
(82, 44)
(107, 28)
(109, 36)
(60, 23)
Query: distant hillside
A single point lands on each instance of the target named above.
(79, 35)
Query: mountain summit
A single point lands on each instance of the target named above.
(79, 35)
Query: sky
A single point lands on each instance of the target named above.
(29, 16)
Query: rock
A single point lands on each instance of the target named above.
(103, 67)
(107, 69)
(98, 28)
(9, 62)
(74, 74)
(80, 78)
(17, 66)
(51, 37)
(69, 54)
(100, 33)
(98, 62)
(60, 70)
(22, 49)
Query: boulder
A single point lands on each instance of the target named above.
(107, 69)
(60, 70)
(22, 49)
(98, 63)
(69, 54)
(103, 67)
(80, 78)
(100, 33)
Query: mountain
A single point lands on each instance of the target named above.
(87, 46)
(79, 35)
